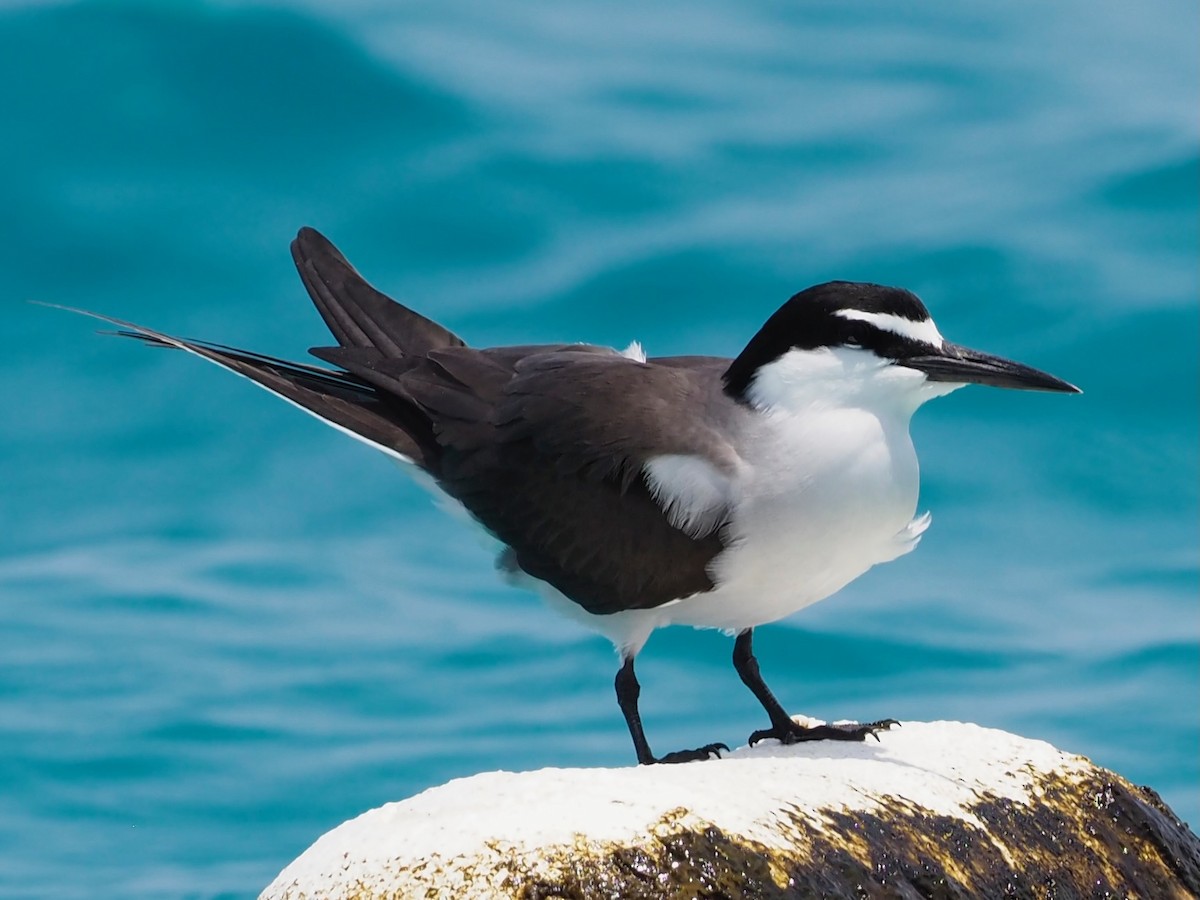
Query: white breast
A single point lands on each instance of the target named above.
(828, 488)
(820, 486)
(820, 498)
(825, 496)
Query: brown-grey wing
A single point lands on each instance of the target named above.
(557, 473)
(546, 447)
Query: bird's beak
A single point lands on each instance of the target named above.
(963, 365)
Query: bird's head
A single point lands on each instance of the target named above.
(846, 341)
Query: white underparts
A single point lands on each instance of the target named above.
(803, 382)
(693, 493)
(924, 330)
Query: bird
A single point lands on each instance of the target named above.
(638, 492)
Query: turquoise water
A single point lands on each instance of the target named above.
(224, 629)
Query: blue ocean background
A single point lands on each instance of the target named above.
(225, 629)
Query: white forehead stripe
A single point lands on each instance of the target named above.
(924, 331)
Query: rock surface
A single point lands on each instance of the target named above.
(939, 809)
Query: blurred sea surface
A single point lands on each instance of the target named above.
(224, 629)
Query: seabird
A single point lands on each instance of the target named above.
(639, 492)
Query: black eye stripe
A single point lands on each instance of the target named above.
(857, 333)
(812, 319)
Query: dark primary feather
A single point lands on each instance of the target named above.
(356, 313)
(338, 397)
(503, 431)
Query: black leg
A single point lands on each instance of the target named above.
(747, 669)
(628, 691)
(783, 728)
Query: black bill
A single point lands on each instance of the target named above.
(963, 365)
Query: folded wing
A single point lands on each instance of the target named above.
(569, 454)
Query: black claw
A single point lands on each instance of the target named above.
(850, 731)
(706, 752)
(881, 725)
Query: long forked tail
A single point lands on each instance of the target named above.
(364, 321)
(338, 399)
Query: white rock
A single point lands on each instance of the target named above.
(769, 817)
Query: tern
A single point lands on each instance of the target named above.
(637, 492)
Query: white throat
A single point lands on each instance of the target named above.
(831, 377)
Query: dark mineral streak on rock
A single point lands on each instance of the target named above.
(1090, 837)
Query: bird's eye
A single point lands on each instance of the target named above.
(851, 342)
